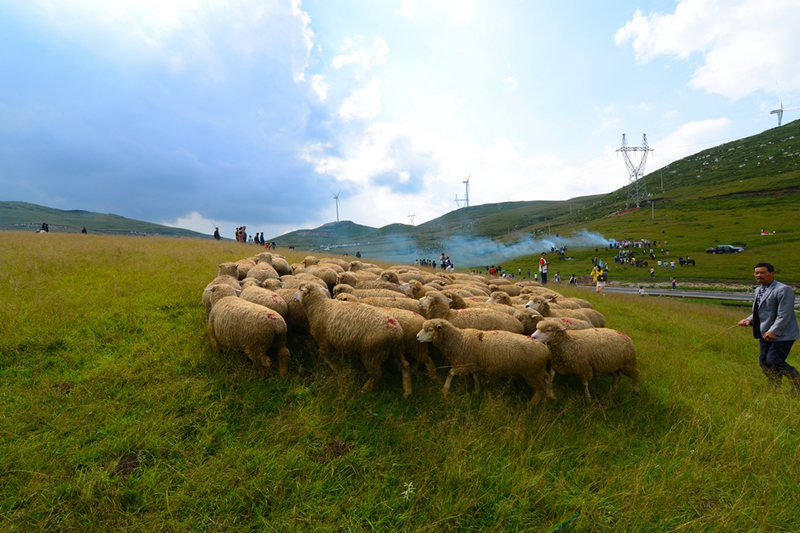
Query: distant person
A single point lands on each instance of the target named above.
(557, 277)
(216, 233)
(674, 283)
(543, 267)
(774, 325)
(602, 277)
(84, 230)
(573, 280)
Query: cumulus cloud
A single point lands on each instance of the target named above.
(319, 86)
(355, 51)
(744, 46)
(364, 103)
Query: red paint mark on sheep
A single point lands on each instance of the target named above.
(620, 333)
(391, 321)
(568, 320)
(272, 316)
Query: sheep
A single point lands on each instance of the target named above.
(495, 353)
(267, 298)
(293, 281)
(539, 303)
(280, 264)
(217, 291)
(368, 293)
(226, 279)
(257, 331)
(244, 267)
(296, 319)
(228, 268)
(382, 284)
(435, 305)
(588, 352)
(458, 302)
(529, 319)
(355, 329)
(398, 302)
(262, 272)
(509, 289)
(411, 322)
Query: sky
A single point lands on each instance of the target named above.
(198, 114)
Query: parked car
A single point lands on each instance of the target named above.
(725, 249)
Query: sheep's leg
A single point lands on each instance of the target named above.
(586, 390)
(405, 372)
(632, 373)
(374, 371)
(447, 381)
(324, 352)
(477, 383)
(535, 399)
(281, 353)
(214, 342)
(616, 381)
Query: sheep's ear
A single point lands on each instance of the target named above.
(237, 292)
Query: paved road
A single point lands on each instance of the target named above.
(686, 293)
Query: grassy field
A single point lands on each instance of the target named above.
(118, 415)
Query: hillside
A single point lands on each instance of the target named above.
(23, 216)
(707, 198)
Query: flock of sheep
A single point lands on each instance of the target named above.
(471, 324)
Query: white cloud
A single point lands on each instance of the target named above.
(195, 222)
(746, 45)
(364, 103)
(319, 86)
(356, 52)
(511, 84)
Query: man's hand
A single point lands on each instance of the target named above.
(744, 322)
(769, 336)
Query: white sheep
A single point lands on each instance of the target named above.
(436, 305)
(257, 331)
(540, 303)
(494, 353)
(267, 298)
(588, 352)
(355, 329)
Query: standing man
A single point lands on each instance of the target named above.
(774, 325)
(543, 267)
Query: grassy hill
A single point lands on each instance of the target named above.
(25, 216)
(725, 194)
(119, 416)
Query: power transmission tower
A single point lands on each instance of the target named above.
(637, 191)
(464, 200)
(336, 197)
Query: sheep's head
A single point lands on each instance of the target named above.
(310, 260)
(547, 329)
(346, 297)
(307, 289)
(390, 276)
(218, 292)
(537, 303)
(431, 329)
(500, 297)
(229, 268)
(529, 318)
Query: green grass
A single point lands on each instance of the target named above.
(118, 415)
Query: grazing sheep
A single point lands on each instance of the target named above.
(529, 320)
(509, 289)
(262, 272)
(572, 323)
(355, 329)
(588, 352)
(326, 274)
(214, 292)
(458, 302)
(411, 322)
(436, 305)
(244, 267)
(370, 293)
(228, 269)
(294, 281)
(398, 302)
(226, 279)
(267, 298)
(280, 264)
(539, 303)
(495, 353)
(296, 319)
(257, 331)
(382, 284)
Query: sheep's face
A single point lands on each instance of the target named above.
(430, 330)
(545, 331)
(533, 304)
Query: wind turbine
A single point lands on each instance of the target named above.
(336, 197)
(780, 111)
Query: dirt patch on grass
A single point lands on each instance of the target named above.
(127, 464)
(331, 451)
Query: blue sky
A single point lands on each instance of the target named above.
(221, 113)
